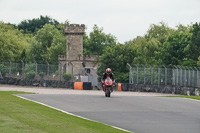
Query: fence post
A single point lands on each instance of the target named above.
(180, 75)
(22, 68)
(176, 76)
(136, 73)
(130, 73)
(189, 76)
(47, 69)
(184, 75)
(158, 75)
(35, 67)
(144, 74)
(192, 77)
(151, 75)
(196, 78)
(165, 74)
(10, 68)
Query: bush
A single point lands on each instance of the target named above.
(30, 75)
(3, 70)
(41, 74)
(67, 76)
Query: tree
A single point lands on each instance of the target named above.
(3, 70)
(145, 50)
(47, 44)
(97, 41)
(31, 26)
(194, 48)
(198, 62)
(176, 49)
(13, 43)
(160, 32)
(116, 58)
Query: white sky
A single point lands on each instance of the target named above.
(125, 19)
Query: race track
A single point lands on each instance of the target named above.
(139, 114)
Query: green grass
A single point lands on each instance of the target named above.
(191, 97)
(22, 116)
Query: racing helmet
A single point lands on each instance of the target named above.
(108, 70)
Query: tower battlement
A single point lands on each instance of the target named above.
(74, 29)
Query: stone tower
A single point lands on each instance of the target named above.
(74, 33)
(73, 62)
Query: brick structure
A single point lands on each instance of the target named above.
(74, 61)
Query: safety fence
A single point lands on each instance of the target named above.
(42, 75)
(31, 71)
(162, 75)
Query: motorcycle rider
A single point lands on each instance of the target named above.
(105, 75)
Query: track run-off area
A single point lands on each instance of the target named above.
(132, 111)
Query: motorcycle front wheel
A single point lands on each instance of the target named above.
(107, 94)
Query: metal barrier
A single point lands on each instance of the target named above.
(162, 75)
(41, 71)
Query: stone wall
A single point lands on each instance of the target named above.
(39, 83)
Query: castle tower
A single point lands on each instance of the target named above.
(74, 33)
(74, 62)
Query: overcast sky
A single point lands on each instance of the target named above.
(125, 19)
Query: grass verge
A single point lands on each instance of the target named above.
(22, 116)
(190, 97)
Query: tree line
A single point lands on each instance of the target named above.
(43, 39)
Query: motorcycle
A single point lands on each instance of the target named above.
(107, 84)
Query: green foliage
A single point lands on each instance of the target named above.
(198, 62)
(31, 26)
(13, 43)
(176, 48)
(160, 32)
(47, 44)
(30, 75)
(29, 67)
(145, 50)
(97, 41)
(67, 76)
(188, 62)
(116, 58)
(160, 45)
(41, 74)
(194, 48)
(3, 70)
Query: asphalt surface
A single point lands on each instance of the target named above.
(139, 114)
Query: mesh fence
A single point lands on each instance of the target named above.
(22, 70)
(176, 76)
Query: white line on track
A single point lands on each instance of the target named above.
(70, 113)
